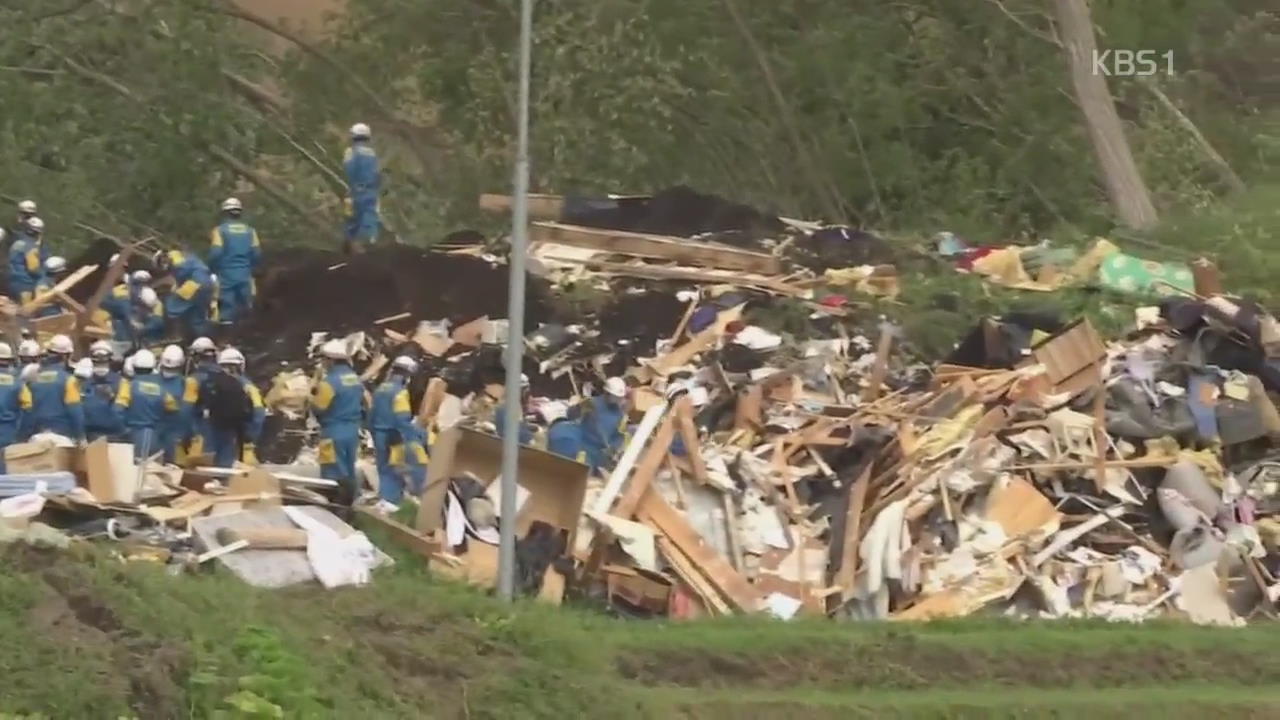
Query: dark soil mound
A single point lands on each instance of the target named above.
(679, 211)
(303, 292)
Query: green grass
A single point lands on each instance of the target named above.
(93, 637)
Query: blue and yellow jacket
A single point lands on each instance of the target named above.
(100, 412)
(364, 179)
(338, 399)
(51, 401)
(564, 438)
(144, 402)
(190, 275)
(234, 252)
(259, 417)
(26, 264)
(11, 389)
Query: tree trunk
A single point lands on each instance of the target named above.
(1128, 193)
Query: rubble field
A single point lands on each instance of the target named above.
(785, 453)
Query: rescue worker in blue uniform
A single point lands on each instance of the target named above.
(391, 424)
(100, 385)
(564, 436)
(364, 182)
(11, 389)
(338, 402)
(52, 399)
(175, 430)
(188, 303)
(26, 261)
(202, 364)
(238, 443)
(603, 418)
(145, 406)
(55, 269)
(26, 211)
(234, 255)
(410, 459)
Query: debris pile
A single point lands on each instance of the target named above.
(1039, 471)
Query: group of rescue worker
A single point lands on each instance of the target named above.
(175, 406)
(216, 290)
(188, 406)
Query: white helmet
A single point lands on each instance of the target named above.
(27, 207)
(100, 348)
(55, 264)
(231, 204)
(231, 356)
(140, 277)
(335, 350)
(616, 387)
(35, 225)
(360, 131)
(83, 368)
(172, 357)
(202, 345)
(405, 363)
(147, 296)
(28, 349)
(142, 360)
(6, 351)
(60, 345)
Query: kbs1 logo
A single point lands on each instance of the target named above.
(1132, 63)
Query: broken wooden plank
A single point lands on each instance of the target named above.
(689, 435)
(393, 318)
(540, 206)
(659, 272)
(852, 533)
(403, 535)
(662, 247)
(70, 281)
(655, 511)
(108, 282)
(698, 583)
(646, 468)
(881, 368)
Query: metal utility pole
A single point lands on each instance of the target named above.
(515, 315)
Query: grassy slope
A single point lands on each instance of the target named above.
(95, 638)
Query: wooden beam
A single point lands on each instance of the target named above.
(656, 512)
(881, 368)
(403, 535)
(852, 532)
(646, 468)
(65, 284)
(660, 272)
(659, 247)
(689, 435)
(541, 207)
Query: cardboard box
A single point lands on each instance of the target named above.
(109, 472)
(557, 486)
(38, 457)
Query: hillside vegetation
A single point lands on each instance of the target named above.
(135, 117)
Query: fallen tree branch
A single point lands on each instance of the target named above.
(213, 151)
(1219, 163)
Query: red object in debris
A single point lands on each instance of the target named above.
(734, 327)
(834, 301)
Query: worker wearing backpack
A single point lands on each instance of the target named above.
(235, 410)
